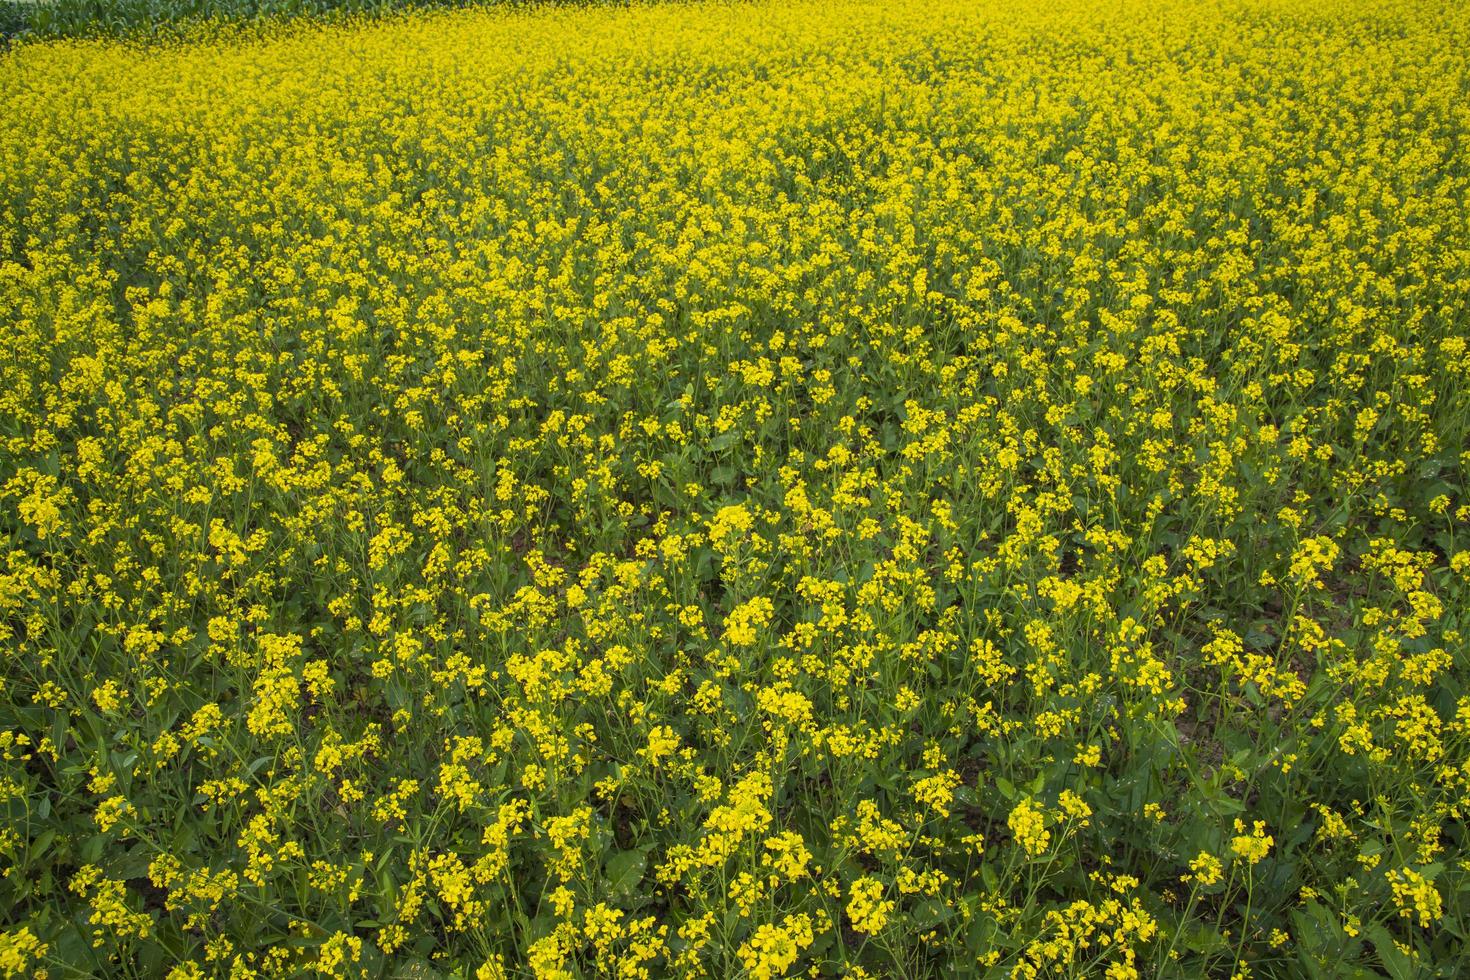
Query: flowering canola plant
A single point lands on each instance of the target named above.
(833, 488)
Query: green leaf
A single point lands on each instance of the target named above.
(624, 870)
(1399, 966)
(41, 843)
(415, 969)
(981, 937)
(931, 913)
(133, 864)
(1203, 939)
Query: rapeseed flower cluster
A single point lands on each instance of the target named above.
(821, 488)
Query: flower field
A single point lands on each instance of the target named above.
(841, 489)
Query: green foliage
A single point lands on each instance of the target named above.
(14, 18)
(101, 18)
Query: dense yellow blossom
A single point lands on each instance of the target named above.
(866, 908)
(1028, 823)
(832, 488)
